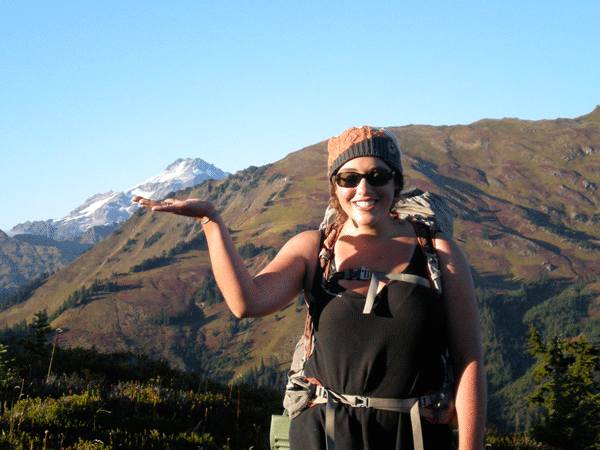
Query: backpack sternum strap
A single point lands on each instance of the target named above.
(364, 274)
(377, 276)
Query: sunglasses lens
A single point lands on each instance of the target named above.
(348, 179)
(379, 177)
(374, 178)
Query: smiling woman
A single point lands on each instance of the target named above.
(364, 190)
(380, 332)
(349, 154)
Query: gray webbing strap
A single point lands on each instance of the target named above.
(417, 432)
(376, 276)
(330, 424)
(329, 397)
(372, 292)
(434, 271)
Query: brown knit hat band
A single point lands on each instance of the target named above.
(363, 141)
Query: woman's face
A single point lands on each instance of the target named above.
(366, 204)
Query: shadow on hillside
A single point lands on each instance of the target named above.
(493, 280)
(127, 287)
(192, 317)
(209, 319)
(460, 192)
(543, 220)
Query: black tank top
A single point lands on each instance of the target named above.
(394, 352)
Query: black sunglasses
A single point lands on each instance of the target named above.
(376, 177)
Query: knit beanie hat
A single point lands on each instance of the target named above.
(363, 141)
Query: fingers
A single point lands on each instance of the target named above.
(189, 208)
(144, 202)
(151, 203)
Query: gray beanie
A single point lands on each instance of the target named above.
(363, 141)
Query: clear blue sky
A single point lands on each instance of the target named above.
(101, 95)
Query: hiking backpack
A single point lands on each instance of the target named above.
(429, 213)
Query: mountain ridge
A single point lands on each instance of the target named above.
(113, 208)
(88, 224)
(525, 200)
(473, 206)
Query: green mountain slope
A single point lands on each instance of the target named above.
(23, 257)
(525, 197)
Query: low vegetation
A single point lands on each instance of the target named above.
(119, 401)
(74, 399)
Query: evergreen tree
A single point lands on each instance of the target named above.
(569, 392)
(41, 328)
(7, 375)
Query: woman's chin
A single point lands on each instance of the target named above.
(363, 219)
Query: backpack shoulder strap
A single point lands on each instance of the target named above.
(425, 235)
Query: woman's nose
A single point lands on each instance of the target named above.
(363, 186)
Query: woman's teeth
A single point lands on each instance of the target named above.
(365, 203)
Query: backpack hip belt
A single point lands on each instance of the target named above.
(436, 407)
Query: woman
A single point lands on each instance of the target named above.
(394, 350)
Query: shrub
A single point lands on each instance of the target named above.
(153, 262)
(496, 440)
(152, 239)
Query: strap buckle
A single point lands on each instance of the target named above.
(364, 273)
(360, 402)
(321, 392)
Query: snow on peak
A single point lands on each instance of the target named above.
(113, 208)
(178, 175)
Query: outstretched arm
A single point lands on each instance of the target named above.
(465, 344)
(274, 287)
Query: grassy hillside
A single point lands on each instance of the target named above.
(156, 310)
(525, 197)
(23, 257)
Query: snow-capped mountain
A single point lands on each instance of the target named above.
(179, 175)
(113, 208)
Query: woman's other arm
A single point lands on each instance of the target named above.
(465, 344)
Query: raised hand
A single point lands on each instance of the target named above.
(190, 208)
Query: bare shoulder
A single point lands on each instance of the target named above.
(445, 243)
(302, 247)
(451, 256)
(304, 244)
